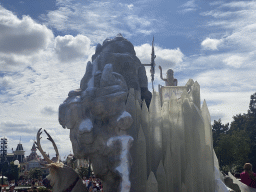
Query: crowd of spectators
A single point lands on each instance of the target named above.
(93, 184)
(33, 184)
(30, 182)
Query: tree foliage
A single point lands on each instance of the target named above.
(217, 130)
(12, 171)
(35, 173)
(252, 105)
(236, 144)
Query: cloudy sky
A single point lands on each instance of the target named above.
(45, 45)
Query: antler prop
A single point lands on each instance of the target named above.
(40, 148)
(54, 145)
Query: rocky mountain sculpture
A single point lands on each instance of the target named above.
(96, 114)
(135, 140)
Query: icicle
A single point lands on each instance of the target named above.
(168, 170)
(161, 177)
(152, 185)
(156, 139)
(141, 161)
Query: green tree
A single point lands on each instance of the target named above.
(242, 146)
(239, 122)
(252, 105)
(236, 145)
(223, 150)
(217, 129)
(12, 172)
(251, 129)
(233, 150)
(35, 173)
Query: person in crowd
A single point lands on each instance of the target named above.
(100, 186)
(84, 180)
(90, 183)
(4, 189)
(247, 176)
(90, 189)
(33, 182)
(95, 187)
(11, 187)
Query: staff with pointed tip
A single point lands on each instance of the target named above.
(152, 64)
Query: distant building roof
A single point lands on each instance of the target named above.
(19, 147)
(33, 149)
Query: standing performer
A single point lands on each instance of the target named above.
(170, 80)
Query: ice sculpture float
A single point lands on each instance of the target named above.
(137, 141)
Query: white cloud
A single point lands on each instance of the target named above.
(17, 126)
(164, 57)
(225, 105)
(188, 6)
(238, 23)
(99, 20)
(130, 6)
(211, 44)
(226, 78)
(6, 81)
(234, 61)
(10, 62)
(134, 22)
(227, 91)
(239, 4)
(34, 82)
(70, 48)
(21, 40)
(48, 110)
(190, 3)
(22, 36)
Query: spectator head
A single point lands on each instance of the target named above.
(12, 186)
(247, 166)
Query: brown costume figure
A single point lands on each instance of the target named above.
(169, 81)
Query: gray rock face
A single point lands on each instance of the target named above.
(120, 53)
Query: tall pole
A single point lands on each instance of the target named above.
(4, 152)
(152, 64)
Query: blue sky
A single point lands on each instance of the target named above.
(45, 45)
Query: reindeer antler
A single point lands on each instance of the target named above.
(54, 145)
(40, 148)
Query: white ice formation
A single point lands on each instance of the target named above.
(173, 141)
